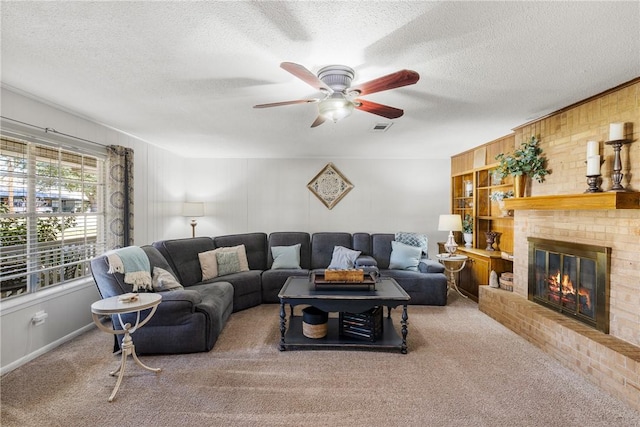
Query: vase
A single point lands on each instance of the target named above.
(468, 239)
(491, 239)
(496, 178)
(503, 210)
(519, 183)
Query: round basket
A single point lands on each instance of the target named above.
(314, 322)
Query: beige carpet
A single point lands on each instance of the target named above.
(462, 369)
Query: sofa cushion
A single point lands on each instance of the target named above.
(343, 258)
(290, 238)
(430, 266)
(381, 248)
(286, 257)
(247, 288)
(164, 281)
(404, 257)
(361, 242)
(182, 255)
(366, 261)
(274, 280)
(255, 247)
(322, 245)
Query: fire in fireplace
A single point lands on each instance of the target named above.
(571, 278)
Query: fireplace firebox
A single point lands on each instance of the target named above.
(571, 278)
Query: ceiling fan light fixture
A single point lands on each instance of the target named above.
(335, 107)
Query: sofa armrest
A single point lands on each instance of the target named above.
(177, 307)
(430, 266)
(366, 261)
(180, 301)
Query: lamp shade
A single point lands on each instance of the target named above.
(193, 209)
(450, 223)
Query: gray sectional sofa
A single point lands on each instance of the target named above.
(191, 319)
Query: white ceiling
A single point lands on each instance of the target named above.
(185, 75)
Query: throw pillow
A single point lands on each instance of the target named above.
(404, 257)
(228, 262)
(209, 262)
(414, 239)
(164, 281)
(343, 258)
(286, 257)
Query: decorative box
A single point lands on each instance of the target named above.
(366, 325)
(351, 275)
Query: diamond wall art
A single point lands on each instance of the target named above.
(330, 186)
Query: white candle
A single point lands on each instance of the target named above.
(592, 148)
(616, 131)
(593, 165)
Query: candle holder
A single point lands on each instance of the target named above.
(491, 238)
(617, 175)
(593, 181)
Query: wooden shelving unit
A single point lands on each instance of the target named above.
(475, 167)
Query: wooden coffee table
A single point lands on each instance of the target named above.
(301, 290)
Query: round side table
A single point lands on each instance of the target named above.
(453, 264)
(113, 305)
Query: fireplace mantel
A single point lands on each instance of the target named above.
(585, 201)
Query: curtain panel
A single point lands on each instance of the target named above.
(119, 209)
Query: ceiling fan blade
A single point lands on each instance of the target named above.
(319, 120)
(379, 109)
(306, 76)
(390, 81)
(279, 104)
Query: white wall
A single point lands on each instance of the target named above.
(243, 195)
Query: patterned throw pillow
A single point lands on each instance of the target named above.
(209, 260)
(414, 239)
(164, 281)
(228, 263)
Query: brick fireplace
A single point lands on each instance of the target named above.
(572, 279)
(611, 360)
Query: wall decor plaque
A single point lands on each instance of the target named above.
(329, 185)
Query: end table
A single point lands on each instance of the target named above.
(113, 305)
(453, 264)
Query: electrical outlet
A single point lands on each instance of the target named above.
(39, 318)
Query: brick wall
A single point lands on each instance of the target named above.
(563, 137)
(610, 361)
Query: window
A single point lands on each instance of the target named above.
(52, 216)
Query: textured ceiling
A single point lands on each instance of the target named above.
(185, 75)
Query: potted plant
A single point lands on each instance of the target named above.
(499, 196)
(467, 230)
(525, 162)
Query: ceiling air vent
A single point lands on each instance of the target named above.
(381, 127)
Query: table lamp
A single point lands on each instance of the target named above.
(193, 209)
(450, 223)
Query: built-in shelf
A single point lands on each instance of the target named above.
(586, 201)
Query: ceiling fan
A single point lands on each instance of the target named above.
(339, 97)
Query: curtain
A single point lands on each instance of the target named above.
(119, 209)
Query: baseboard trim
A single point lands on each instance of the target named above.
(42, 350)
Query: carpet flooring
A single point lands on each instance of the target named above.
(462, 369)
